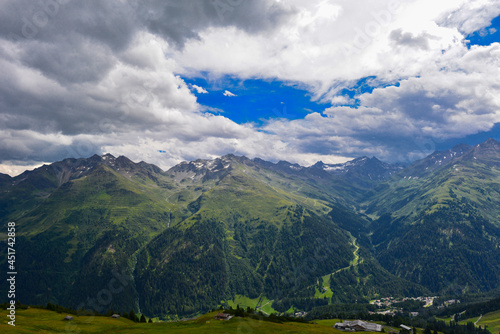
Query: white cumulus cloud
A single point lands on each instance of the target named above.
(228, 93)
(199, 89)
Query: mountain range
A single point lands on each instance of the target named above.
(107, 233)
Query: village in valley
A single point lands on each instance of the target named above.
(391, 305)
(389, 301)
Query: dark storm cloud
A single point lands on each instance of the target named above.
(75, 41)
(114, 22)
(76, 60)
(68, 41)
(108, 22)
(177, 21)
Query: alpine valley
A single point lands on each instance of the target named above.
(107, 233)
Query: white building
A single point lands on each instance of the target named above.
(358, 325)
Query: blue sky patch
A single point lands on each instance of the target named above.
(487, 35)
(254, 100)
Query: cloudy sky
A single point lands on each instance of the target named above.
(298, 80)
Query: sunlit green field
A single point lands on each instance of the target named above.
(492, 320)
(262, 303)
(43, 321)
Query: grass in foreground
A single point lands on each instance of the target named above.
(43, 321)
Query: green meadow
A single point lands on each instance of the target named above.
(492, 320)
(43, 321)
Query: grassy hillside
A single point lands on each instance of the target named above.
(492, 320)
(38, 321)
(451, 250)
(438, 225)
(474, 175)
(86, 228)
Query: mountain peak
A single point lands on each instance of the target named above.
(461, 147)
(486, 151)
(461, 152)
(362, 171)
(490, 146)
(320, 164)
(284, 163)
(490, 143)
(229, 156)
(204, 168)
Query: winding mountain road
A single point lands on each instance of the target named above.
(354, 262)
